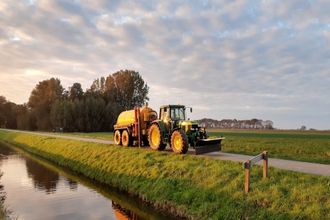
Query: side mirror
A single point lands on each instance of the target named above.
(190, 110)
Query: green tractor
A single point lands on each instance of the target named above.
(173, 128)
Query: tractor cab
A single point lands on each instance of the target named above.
(174, 117)
(172, 112)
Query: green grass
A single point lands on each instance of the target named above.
(310, 146)
(96, 135)
(185, 185)
(5, 213)
(113, 194)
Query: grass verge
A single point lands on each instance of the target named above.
(186, 186)
(309, 146)
(96, 135)
(5, 213)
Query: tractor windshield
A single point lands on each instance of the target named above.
(178, 114)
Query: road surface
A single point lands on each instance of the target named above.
(303, 167)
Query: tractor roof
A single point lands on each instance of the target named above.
(172, 106)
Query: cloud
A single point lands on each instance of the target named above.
(219, 56)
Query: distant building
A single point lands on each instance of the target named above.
(234, 123)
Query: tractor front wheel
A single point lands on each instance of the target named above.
(125, 138)
(117, 138)
(155, 138)
(179, 142)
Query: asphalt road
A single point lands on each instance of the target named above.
(303, 167)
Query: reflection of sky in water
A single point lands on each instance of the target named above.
(53, 200)
(34, 191)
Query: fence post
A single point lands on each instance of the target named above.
(265, 160)
(247, 166)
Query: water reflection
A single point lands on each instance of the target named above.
(45, 179)
(124, 214)
(42, 178)
(5, 151)
(73, 185)
(55, 193)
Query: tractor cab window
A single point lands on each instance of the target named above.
(178, 114)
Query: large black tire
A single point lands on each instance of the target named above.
(179, 142)
(155, 138)
(126, 139)
(117, 137)
(145, 141)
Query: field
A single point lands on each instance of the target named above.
(197, 188)
(309, 146)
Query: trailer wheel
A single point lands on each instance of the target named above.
(179, 142)
(117, 137)
(155, 138)
(125, 138)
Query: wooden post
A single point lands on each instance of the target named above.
(247, 166)
(265, 158)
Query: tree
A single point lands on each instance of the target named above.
(127, 88)
(24, 118)
(68, 116)
(57, 114)
(3, 101)
(42, 99)
(75, 91)
(98, 85)
(120, 91)
(94, 113)
(8, 113)
(79, 115)
(51, 107)
(111, 112)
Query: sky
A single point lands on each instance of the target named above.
(227, 59)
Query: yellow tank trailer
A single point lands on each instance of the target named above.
(126, 118)
(132, 126)
(141, 126)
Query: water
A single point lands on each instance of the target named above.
(36, 189)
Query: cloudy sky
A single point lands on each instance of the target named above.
(228, 59)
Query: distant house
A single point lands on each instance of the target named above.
(234, 123)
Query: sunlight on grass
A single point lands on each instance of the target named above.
(302, 146)
(186, 185)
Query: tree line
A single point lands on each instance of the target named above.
(53, 108)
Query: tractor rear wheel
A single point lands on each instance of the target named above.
(125, 138)
(117, 138)
(155, 138)
(179, 142)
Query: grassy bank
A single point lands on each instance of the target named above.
(187, 186)
(96, 135)
(113, 194)
(310, 146)
(4, 211)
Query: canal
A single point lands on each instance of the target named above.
(33, 188)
